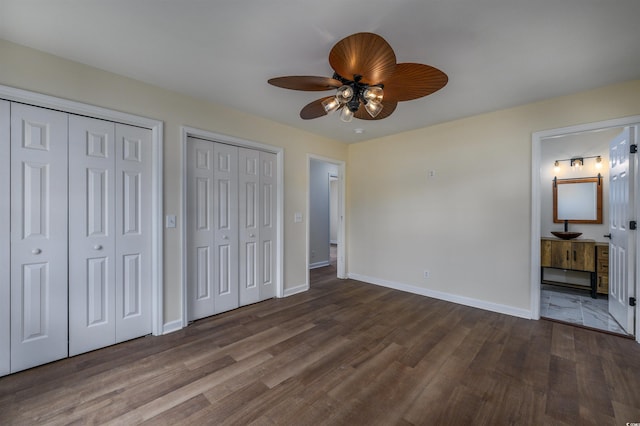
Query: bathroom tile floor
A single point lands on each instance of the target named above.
(577, 307)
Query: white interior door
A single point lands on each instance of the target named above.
(225, 219)
(199, 229)
(621, 272)
(5, 246)
(133, 232)
(249, 202)
(268, 225)
(39, 274)
(91, 234)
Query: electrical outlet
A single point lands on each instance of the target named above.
(426, 274)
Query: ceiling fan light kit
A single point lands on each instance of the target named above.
(365, 75)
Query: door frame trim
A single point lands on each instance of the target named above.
(536, 140)
(186, 132)
(341, 253)
(157, 138)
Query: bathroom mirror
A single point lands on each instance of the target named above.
(577, 200)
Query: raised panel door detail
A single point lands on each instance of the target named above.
(132, 199)
(267, 205)
(97, 292)
(251, 254)
(98, 144)
(268, 225)
(35, 301)
(251, 205)
(224, 270)
(132, 149)
(36, 135)
(35, 200)
(203, 273)
(203, 159)
(224, 205)
(267, 261)
(97, 202)
(202, 201)
(38, 238)
(131, 283)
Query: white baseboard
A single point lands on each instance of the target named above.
(319, 264)
(295, 290)
(461, 300)
(172, 326)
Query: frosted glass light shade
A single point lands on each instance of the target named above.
(373, 108)
(346, 115)
(330, 105)
(373, 93)
(344, 94)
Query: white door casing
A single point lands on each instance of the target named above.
(268, 231)
(39, 268)
(5, 245)
(91, 234)
(199, 229)
(249, 220)
(133, 232)
(622, 246)
(225, 220)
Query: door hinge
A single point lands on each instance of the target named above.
(633, 148)
(633, 225)
(632, 301)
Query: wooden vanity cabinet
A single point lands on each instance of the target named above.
(575, 255)
(602, 267)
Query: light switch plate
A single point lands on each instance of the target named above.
(170, 221)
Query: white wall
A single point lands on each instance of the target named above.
(470, 224)
(319, 211)
(32, 70)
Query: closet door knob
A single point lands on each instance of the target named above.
(97, 247)
(36, 251)
(251, 235)
(225, 237)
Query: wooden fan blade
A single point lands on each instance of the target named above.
(305, 82)
(412, 81)
(365, 54)
(314, 109)
(387, 109)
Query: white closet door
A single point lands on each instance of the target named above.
(133, 232)
(225, 218)
(268, 225)
(39, 275)
(199, 230)
(249, 220)
(91, 234)
(5, 265)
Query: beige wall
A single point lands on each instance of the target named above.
(470, 224)
(35, 71)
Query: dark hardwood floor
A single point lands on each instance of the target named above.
(342, 353)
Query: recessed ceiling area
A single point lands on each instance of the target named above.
(496, 53)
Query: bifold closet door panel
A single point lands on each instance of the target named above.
(200, 230)
(225, 219)
(91, 234)
(5, 246)
(39, 274)
(249, 220)
(268, 225)
(133, 232)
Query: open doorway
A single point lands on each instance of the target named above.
(579, 295)
(326, 215)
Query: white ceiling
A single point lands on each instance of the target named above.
(497, 53)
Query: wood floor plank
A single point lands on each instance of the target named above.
(342, 353)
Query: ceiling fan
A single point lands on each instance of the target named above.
(368, 81)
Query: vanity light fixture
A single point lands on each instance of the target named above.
(576, 163)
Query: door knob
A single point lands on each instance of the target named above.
(97, 247)
(36, 251)
(225, 237)
(607, 236)
(251, 235)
